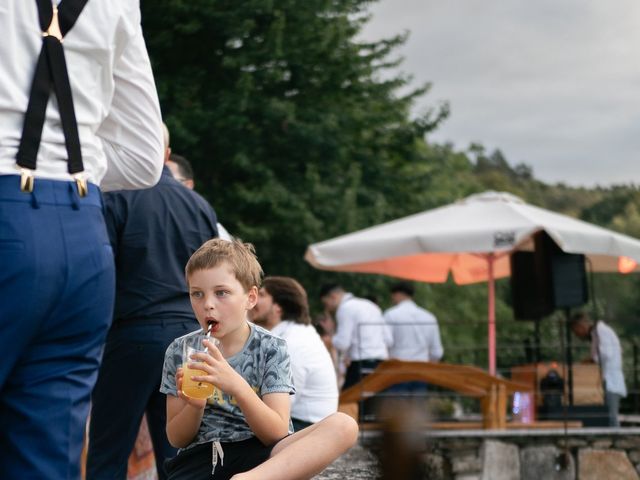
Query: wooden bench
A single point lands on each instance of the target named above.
(493, 392)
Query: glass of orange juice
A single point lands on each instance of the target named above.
(192, 388)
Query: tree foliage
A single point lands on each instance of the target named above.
(293, 136)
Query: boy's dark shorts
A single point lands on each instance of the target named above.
(195, 463)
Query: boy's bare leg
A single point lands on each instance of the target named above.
(307, 452)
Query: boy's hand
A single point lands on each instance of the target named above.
(194, 402)
(219, 372)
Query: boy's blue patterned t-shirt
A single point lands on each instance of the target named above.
(263, 362)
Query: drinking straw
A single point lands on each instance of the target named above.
(208, 336)
(206, 349)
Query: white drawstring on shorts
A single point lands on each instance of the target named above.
(216, 452)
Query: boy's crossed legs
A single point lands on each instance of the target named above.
(307, 452)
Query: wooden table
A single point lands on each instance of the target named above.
(492, 391)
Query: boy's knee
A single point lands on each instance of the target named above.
(346, 426)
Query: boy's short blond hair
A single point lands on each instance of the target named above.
(240, 256)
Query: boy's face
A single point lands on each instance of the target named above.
(217, 297)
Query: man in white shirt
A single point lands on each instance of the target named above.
(75, 116)
(361, 331)
(416, 336)
(283, 308)
(605, 350)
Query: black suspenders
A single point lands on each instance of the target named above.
(51, 72)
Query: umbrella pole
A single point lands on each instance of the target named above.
(492, 315)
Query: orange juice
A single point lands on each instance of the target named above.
(193, 389)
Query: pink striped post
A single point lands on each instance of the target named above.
(492, 315)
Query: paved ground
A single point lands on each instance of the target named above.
(356, 464)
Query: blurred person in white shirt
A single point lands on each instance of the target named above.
(606, 351)
(416, 335)
(283, 309)
(361, 332)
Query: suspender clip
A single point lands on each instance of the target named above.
(81, 183)
(27, 180)
(54, 26)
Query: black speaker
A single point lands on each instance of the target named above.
(569, 280)
(546, 279)
(531, 297)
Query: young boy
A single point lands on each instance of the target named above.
(243, 431)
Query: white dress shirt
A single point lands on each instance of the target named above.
(115, 99)
(606, 350)
(416, 336)
(313, 372)
(361, 329)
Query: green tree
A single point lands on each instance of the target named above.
(294, 135)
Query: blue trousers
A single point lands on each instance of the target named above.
(128, 386)
(56, 301)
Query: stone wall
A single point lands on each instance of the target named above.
(579, 454)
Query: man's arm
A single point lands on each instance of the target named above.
(115, 213)
(387, 330)
(345, 325)
(436, 351)
(131, 133)
(211, 218)
(608, 346)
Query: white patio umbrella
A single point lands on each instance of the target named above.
(471, 239)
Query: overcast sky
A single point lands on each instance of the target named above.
(552, 83)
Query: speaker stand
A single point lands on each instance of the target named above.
(536, 341)
(568, 355)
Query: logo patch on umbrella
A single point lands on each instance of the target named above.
(504, 239)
